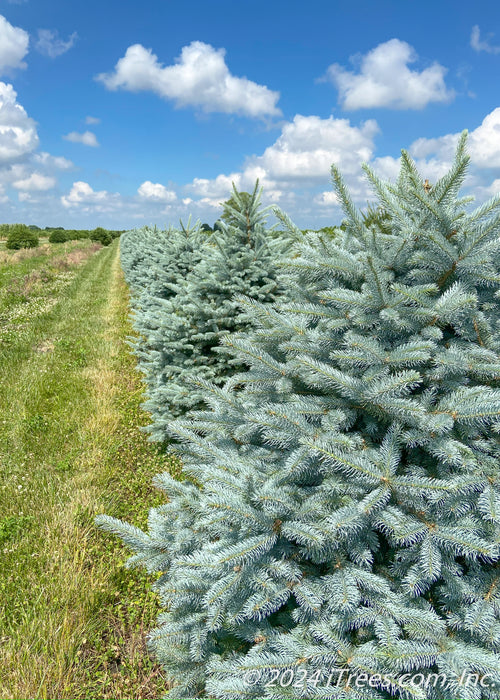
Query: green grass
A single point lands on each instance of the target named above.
(70, 447)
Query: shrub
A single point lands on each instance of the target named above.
(72, 235)
(59, 236)
(340, 511)
(20, 236)
(101, 236)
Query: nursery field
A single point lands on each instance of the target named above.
(334, 398)
(72, 621)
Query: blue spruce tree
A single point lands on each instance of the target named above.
(154, 261)
(156, 264)
(185, 333)
(338, 529)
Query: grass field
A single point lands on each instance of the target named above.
(72, 620)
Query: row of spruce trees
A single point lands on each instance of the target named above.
(339, 524)
(183, 286)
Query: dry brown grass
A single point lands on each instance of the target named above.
(32, 283)
(10, 257)
(74, 258)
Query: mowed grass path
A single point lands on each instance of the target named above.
(72, 620)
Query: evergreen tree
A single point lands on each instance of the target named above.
(154, 261)
(341, 508)
(156, 264)
(236, 205)
(238, 259)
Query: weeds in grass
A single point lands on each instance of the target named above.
(13, 525)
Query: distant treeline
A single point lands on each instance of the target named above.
(58, 234)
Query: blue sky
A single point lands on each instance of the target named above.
(119, 113)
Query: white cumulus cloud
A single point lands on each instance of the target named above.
(327, 199)
(387, 167)
(155, 192)
(88, 138)
(18, 135)
(482, 45)
(49, 43)
(36, 182)
(483, 144)
(52, 163)
(385, 80)
(14, 43)
(82, 193)
(487, 191)
(199, 78)
(92, 120)
(84, 197)
(21, 165)
(307, 147)
(218, 188)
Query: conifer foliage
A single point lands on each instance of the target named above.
(156, 263)
(186, 284)
(341, 511)
(153, 260)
